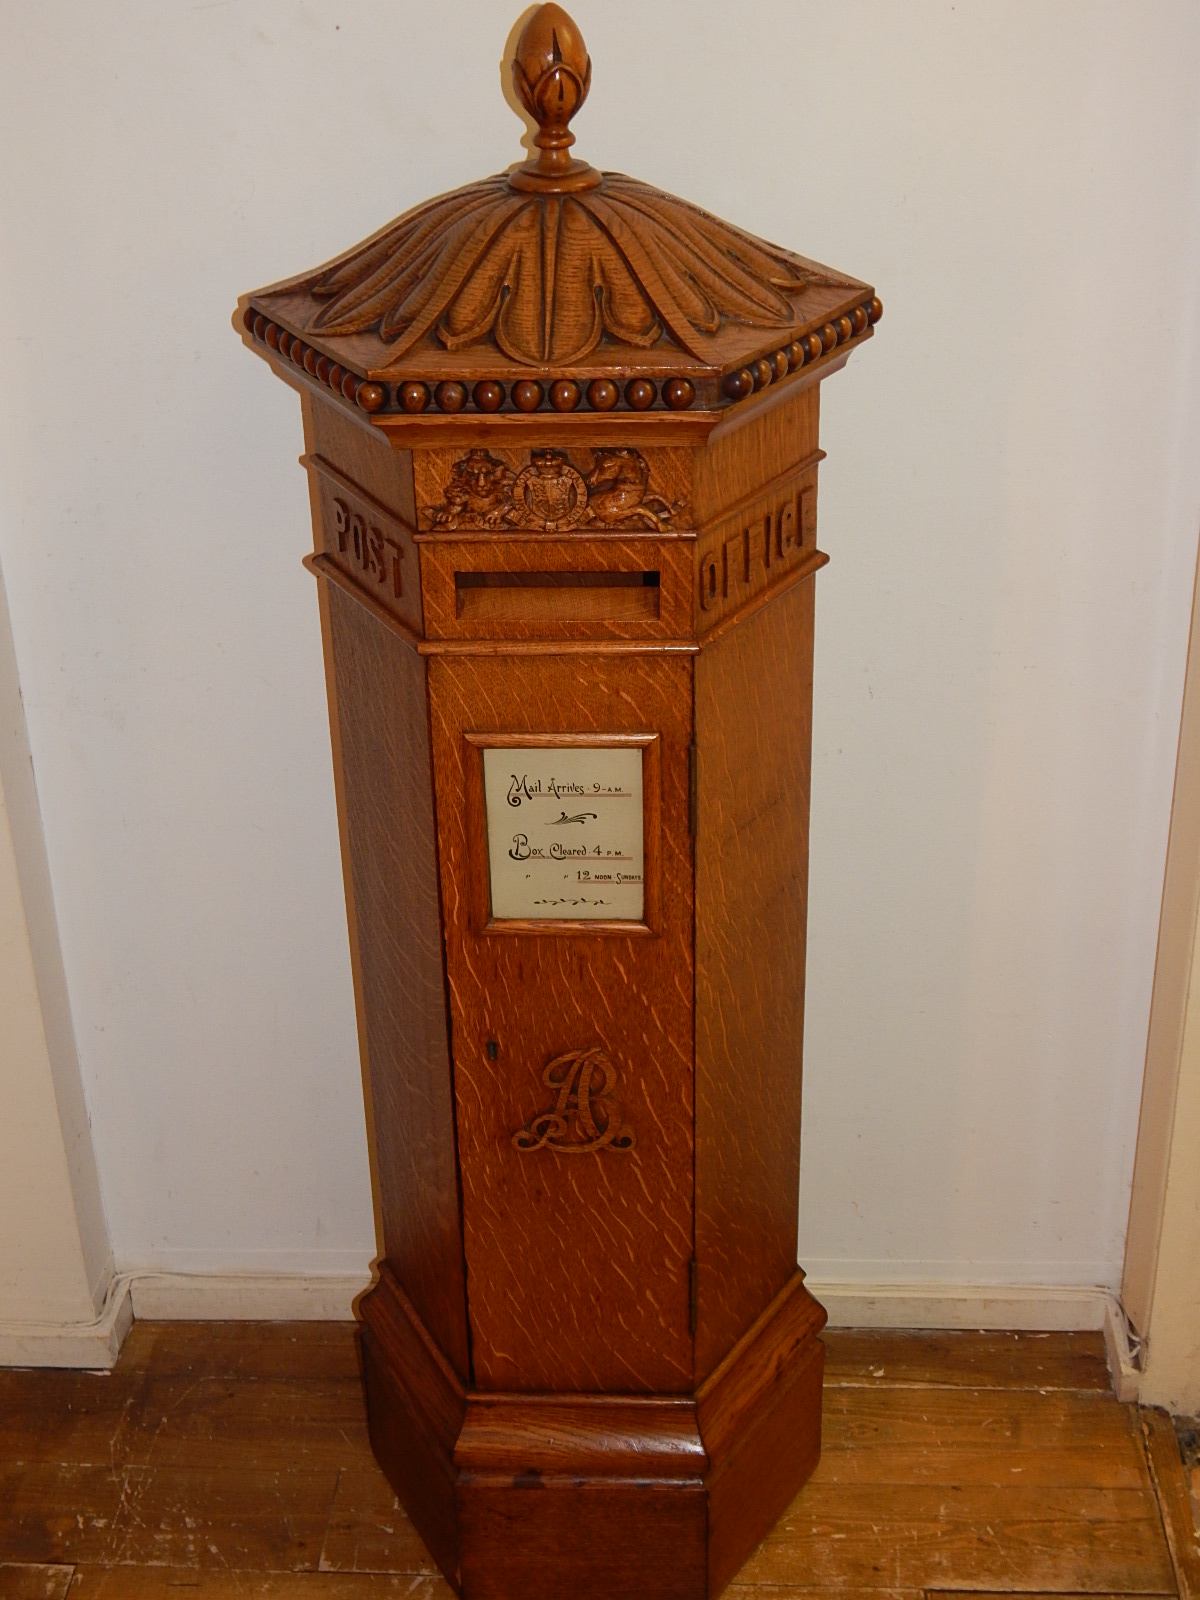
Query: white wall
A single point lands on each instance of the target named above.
(1011, 503)
(55, 1261)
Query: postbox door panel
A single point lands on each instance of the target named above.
(572, 1040)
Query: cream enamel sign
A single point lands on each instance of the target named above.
(564, 829)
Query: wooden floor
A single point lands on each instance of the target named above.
(227, 1459)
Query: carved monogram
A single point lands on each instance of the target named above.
(583, 1116)
(552, 494)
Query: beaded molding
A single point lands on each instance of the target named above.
(412, 396)
(744, 381)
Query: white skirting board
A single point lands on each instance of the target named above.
(994, 1306)
(296, 1297)
(93, 1346)
(246, 1296)
(179, 1297)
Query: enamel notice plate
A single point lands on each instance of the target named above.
(564, 829)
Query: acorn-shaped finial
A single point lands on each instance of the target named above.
(552, 73)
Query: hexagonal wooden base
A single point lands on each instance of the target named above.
(524, 1496)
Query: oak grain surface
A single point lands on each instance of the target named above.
(577, 1263)
(382, 753)
(736, 464)
(356, 448)
(753, 722)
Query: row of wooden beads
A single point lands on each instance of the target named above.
(564, 394)
(811, 347)
(527, 394)
(370, 396)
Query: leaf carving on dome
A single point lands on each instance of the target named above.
(548, 276)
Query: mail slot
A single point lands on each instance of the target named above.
(556, 596)
(504, 586)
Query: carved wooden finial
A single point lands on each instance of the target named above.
(552, 73)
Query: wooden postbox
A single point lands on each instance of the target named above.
(561, 439)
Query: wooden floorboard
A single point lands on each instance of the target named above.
(293, 1350)
(144, 1583)
(949, 1538)
(1171, 1486)
(738, 1590)
(229, 1460)
(994, 1419)
(33, 1581)
(368, 1529)
(206, 1422)
(951, 1360)
(165, 1516)
(981, 1437)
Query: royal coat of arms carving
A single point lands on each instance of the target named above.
(553, 495)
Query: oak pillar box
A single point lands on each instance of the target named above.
(561, 438)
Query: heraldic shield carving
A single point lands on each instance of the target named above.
(552, 494)
(583, 1116)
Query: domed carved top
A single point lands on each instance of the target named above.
(548, 277)
(554, 281)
